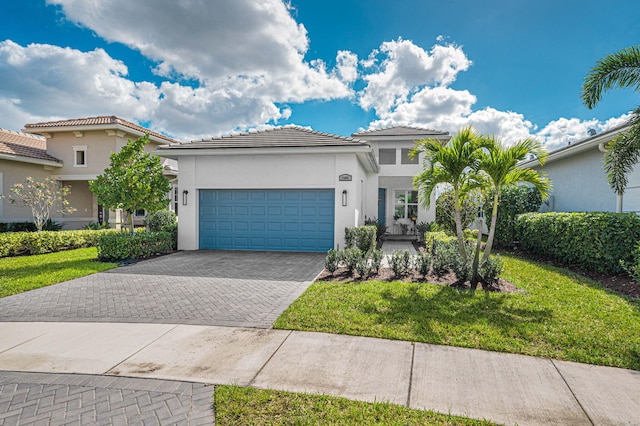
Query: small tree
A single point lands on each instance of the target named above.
(44, 199)
(133, 181)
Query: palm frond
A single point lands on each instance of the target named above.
(621, 157)
(617, 70)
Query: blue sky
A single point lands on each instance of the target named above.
(198, 68)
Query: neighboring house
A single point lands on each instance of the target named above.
(579, 180)
(293, 189)
(398, 204)
(72, 152)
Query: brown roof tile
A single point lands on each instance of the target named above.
(97, 121)
(20, 144)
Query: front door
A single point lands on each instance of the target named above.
(382, 206)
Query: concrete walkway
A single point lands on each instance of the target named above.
(500, 387)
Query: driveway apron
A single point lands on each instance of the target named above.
(224, 288)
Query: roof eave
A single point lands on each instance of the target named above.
(93, 127)
(30, 160)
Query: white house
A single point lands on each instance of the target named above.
(579, 180)
(292, 188)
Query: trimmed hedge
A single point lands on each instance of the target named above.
(593, 241)
(362, 237)
(27, 243)
(123, 246)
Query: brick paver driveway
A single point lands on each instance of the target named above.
(226, 288)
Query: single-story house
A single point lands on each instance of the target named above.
(294, 189)
(579, 180)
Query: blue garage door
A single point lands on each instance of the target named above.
(267, 219)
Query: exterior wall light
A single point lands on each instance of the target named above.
(184, 197)
(344, 198)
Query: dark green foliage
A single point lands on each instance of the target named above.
(461, 267)
(49, 225)
(362, 267)
(444, 212)
(491, 270)
(362, 238)
(593, 241)
(165, 221)
(376, 259)
(444, 253)
(633, 267)
(422, 228)
(422, 263)
(514, 200)
(123, 246)
(96, 225)
(400, 262)
(431, 238)
(381, 228)
(27, 243)
(350, 257)
(332, 260)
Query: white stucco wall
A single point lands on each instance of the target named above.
(268, 171)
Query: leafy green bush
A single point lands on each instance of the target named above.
(115, 247)
(633, 267)
(422, 263)
(332, 260)
(444, 254)
(491, 270)
(94, 226)
(400, 262)
(593, 241)
(444, 211)
(422, 228)
(470, 234)
(381, 228)
(350, 257)
(513, 201)
(460, 267)
(49, 225)
(27, 243)
(432, 238)
(362, 238)
(376, 259)
(165, 221)
(362, 267)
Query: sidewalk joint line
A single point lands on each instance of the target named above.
(22, 343)
(255, 376)
(141, 349)
(413, 356)
(572, 393)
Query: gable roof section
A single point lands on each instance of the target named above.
(26, 148)
(399, 131)
(278, 140)
(286, 136)
(92, 123)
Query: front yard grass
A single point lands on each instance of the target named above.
(18, 274)
(235, 405)
(560, 315)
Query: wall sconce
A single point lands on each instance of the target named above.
(344, 198)
(184, 197)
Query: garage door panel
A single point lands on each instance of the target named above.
(292, 220)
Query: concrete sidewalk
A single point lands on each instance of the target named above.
(500, 387)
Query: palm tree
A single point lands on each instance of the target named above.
(454, 163)
(618, 70)
(500, 163)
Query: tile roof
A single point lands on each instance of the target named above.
(398, 131)
(96, 121)
(286, 136)
(22, 145)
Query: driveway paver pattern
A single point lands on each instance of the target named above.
(57, 399)
(225, 288)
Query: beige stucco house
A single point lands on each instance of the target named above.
(72, 152)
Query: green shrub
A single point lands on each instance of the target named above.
(491, 270)
(432, 238)
(376, 259)
(121, 246)
(461, 268)
(381, 228)
(444, 254)
(332, 260)
(362, 238)
(593, 241)
(444, 211)
(350, 257)
(513, 202)
(422, 263)
(27, 243)
(470, 234)
(400, 262)
(422, 228)
(94, 226)
(362, 267)
(633, 267)
(165, 221)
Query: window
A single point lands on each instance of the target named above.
(140, 213)
(406, 204)
(80, 156)
(387, 156)
(406, 159)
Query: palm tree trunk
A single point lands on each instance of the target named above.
(492, 229)
(458, 219)
(476, 257)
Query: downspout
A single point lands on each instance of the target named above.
(602, 148)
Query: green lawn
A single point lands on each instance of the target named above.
(18, 274)
(560, 315)
(247, 406)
